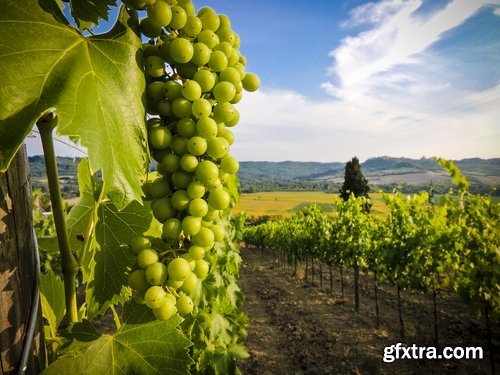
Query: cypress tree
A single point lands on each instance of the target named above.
(354, 181)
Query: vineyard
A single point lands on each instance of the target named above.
(420, 246)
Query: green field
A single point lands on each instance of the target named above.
(289, 202)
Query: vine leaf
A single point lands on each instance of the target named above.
(88, 12)
(94, 84)
(156, 347)
(113, 261)
(52, 293)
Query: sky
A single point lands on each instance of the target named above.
(345, 78)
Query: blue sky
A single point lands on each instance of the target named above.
(351, 78)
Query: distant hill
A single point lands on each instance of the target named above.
(382, 173)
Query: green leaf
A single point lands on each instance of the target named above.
(88, 12)
(94, 84)
(113, 261)
(157, 347)
(52, 295)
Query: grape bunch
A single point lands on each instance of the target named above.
(195, 74)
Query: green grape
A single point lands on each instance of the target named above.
(154, 122)
(147, 257)
(167, 309)
(251, 82)
(209, 38)
(137, 280)
(189, 162)
(205, 79)
(218, 61)
(156, 273)
(206, 127)
(229, 164)
(163, 209)
(191, 90)
(181, 179)
(191, 225)
(225, 34)
(178, 269)
(184, 304)
(201, 54)
(196, 190)
(170, 162)
(197, 206)
(196, 252)
(149, 49)
(225, 48)
(230, 74)
(180, 199)
(159, 188)
(197, 145)
(218, 232)
(237, 97)
(138, 244)
(201, 269)
(234, 58)
(224, 91)
(186, 127)
(155, 297)
(234, 120)
(188, 6)
(160, 138)
(228, 135)
(160, 13)
(172, 228)
(165, 108)
(207, 172)
(201, 108)
(224, 112)
(176, 284)
(150, 28)
(225, 22)
(217, 147)
(179, 18)
(172, 90)
(181, 107)
(193, 26)
(181, 50)
(204, 238)
(219, 199)
(155, 91)
(190, 284)
(154, 66)
(240, 68)
(179, 145)
(209, 19)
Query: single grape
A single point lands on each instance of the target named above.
(196, 190)
(190, 284)
(146, 257)
(201, 54)
(251, 82)
(219, 199)
(201, 108)
(156, 273)
(229, 164)
(179, 18)
(170, 162)
(191, 90)
(198, 207)
(205, 79)
(193, 26)
(160, 13)
(181, 50)
(155, 297)
(150, 28)
(139, 243)
(224, 91)
(184, 304)
(191, 225)
(178, 269)
(204, 238)
(218, 232)
(137, 280)
(206, 127)
(201, 269)
(167, 309)
(172, 228)
(186, 126)
(207, 172)
(159, 188)
(181, 179)
(218, 61)
(181, 107)
(197, 145)
(217, 147)
(180, 199)
(159, 137)
(209, 38)
(179, 145)
(172, 90)
(189, 162)
(154, 66)
(163, 209)
(209, 19)
(196, 252)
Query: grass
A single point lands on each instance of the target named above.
(287, 203)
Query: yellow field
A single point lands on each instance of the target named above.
(287, 202)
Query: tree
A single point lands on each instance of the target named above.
(354, 181)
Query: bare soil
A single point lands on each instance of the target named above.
(297, 327)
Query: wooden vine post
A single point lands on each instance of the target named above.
(17, 270)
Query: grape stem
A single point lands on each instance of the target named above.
(46, 125)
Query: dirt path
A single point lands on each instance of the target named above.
(296, 328)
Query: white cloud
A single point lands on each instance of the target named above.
(364, 62)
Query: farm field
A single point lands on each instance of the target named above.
(280, 203)
(298, 328)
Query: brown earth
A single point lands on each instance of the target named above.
(298, 328)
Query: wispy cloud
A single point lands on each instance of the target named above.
(364, 62)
